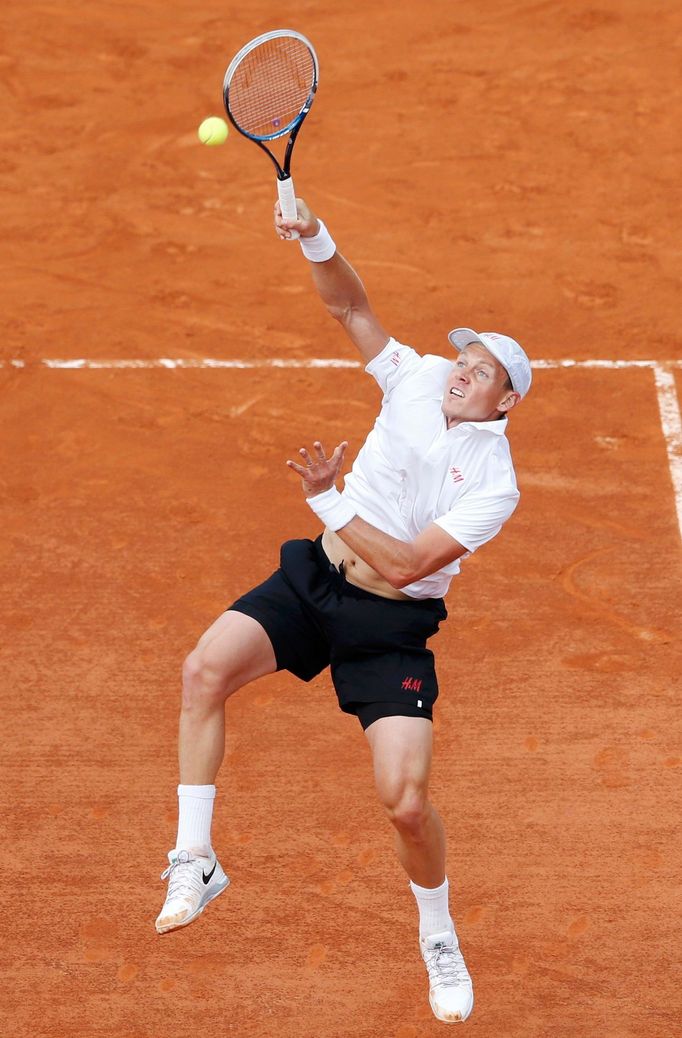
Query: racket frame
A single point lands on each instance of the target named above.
(285, 186)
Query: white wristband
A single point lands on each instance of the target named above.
(320, 247)
(333, 509)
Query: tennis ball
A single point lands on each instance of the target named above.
(212, 131)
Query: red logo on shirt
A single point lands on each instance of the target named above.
(457, 476)
(412, 684)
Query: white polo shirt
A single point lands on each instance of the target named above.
(413, 471)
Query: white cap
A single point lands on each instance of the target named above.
(503, 348)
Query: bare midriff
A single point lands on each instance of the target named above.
(355, 569)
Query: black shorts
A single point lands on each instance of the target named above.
(376, 647)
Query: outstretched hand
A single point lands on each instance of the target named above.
(307, 223)
(319, 473)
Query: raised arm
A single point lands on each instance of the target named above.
(339, 287)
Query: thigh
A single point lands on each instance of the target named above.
(402, 749)
(238, 646)
(214, 631)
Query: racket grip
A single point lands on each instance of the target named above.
(287, 201)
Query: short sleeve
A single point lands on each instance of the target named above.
(478, 517)
(393, 364)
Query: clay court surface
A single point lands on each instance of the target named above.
(501, 164)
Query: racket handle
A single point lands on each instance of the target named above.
(287, 201)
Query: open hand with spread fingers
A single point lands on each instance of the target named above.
(319, 473)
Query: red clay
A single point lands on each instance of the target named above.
(501, 165)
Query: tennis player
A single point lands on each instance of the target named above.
(433, 482)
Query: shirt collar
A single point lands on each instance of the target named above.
(498, 427)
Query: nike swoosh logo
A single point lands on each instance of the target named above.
(207, 879)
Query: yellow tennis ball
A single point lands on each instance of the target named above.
(213, 131)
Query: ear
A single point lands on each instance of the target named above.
(508, 401)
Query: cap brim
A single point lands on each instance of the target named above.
(461, 337)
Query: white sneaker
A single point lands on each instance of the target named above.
(451, 992)
(194, 879)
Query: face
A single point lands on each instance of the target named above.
(477, 389)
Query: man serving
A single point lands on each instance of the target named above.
(433, 482)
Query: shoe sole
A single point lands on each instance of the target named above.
(190, 919)
(450, 1019)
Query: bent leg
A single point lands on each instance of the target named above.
(401, 748)
(232, 652)
(401, 752)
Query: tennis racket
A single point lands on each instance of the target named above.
(268, 89)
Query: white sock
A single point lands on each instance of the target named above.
(195, 813)
(434, 915)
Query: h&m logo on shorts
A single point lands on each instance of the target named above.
(457, 476)
(395, 358)
(412, 684)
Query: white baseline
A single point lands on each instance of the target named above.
(80, 363)
(664, 379)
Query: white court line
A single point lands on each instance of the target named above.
(671, 423)
(201, 362)
(82, 363)
(668, 403)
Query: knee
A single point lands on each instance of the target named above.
(204, 684)
(407, 809)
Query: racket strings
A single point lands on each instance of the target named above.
(268, 98)
(271, 85)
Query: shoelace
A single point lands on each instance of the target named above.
(183, 877)
(446, 966)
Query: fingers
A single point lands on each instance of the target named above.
(299, 468)
(321, 457)
(282, 226)
(305, 220)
